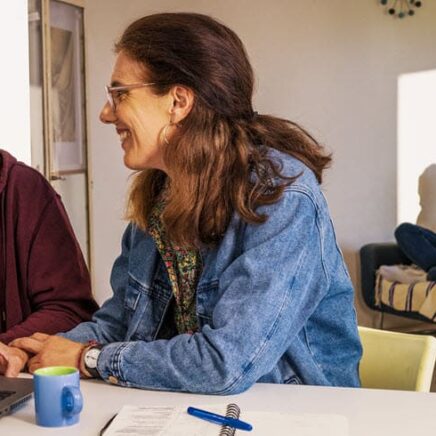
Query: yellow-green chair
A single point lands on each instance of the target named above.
(394, 360)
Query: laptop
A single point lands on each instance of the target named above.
(14, 392)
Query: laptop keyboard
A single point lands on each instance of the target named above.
(5, 394)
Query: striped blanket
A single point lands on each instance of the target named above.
(418, 297)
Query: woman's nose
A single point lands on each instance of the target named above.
(107, 114)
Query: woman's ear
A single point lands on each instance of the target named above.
(182, 102)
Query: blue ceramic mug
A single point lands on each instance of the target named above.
(58, 400)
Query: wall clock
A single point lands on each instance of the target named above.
(401, 8)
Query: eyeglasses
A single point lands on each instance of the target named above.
(115, 93)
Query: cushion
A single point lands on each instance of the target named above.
(419, 297)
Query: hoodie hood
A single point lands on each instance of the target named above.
(6, 163)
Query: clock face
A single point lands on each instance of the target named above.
(91, 357)
(401, 8)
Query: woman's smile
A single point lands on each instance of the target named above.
(124, 135)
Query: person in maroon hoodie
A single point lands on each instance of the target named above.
(44, 281)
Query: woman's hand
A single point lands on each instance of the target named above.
(50, 351)
(12, 360)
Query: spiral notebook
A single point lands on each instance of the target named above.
(174, 421)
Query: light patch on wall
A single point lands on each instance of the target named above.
(416, 138)
(14, 77)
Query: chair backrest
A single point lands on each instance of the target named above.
(394, 360)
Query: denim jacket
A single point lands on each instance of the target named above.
(274, 304)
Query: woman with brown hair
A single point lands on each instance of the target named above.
(229, 272)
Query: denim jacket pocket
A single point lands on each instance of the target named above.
(145, 308)
(135, 303)
(207, 297)
(131, 298)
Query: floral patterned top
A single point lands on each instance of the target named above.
(184, 267)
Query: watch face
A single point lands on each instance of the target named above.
(91, 357)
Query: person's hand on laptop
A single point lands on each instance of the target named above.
(50, 351)
(12, 360)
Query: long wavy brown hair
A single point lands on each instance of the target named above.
(217, 160)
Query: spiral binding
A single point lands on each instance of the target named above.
(233, 411)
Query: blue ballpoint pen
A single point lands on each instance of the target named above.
(220, 419)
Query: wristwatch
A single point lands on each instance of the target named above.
(90, 358)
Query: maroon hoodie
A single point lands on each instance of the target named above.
(44, 282)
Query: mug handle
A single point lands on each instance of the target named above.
(72, 401)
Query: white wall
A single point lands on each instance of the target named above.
(14, 80)
(331, 65)
(416, 139)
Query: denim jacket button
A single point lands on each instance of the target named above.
(113, 380)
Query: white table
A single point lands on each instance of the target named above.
(369, 412)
